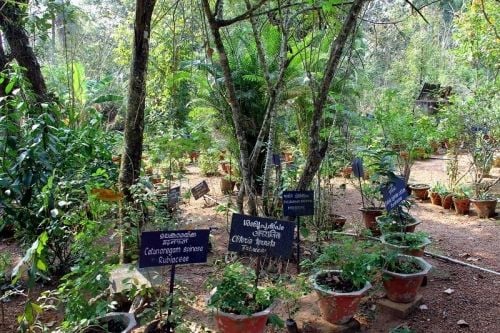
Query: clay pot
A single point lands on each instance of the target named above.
(346, 172)
(226, 167)
(435, 198)
(337, 307)
(232, 323)
(227, 186)
(403, 288)
(288, 157)
(447, 201)
(193, 156)
(369, 214)
(461, 205)
(336, 222)
(386, 240)
(420, 191)
(409, 226)
(485, 208)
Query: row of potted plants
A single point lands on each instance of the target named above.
(341, 276)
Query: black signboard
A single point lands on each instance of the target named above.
(200, 190)
(276, 160)
(298, 203)
(261, 236)
(161, 248)
(174, 195)
(394, 192)
(357, 167)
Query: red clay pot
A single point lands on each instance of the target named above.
(447, 201)
(227, 186)
(403, 288)
(405, 249)
(346, 172)
(337, 307)
(420, 191)
(435, 198)
(369, 214)
(231, 323)
(485, 208)
(461, 205)
(336, 222)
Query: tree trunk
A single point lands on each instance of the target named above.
(317, 148)
(235, 108)
(11, 15)
(134, 122)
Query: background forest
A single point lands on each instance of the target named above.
(120, 95)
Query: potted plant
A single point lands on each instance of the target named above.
(461, 199)
(412, 244)
(435, 193)
(227, 184)
(372, 200)
(403, 276)
(240, 305)
(398, 220)
(420, 191)
(347, 271)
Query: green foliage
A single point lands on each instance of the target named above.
(237, 293)
(209, 162)
(358, 260)
(394, 262)
(414, 240)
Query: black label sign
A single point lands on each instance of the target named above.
(200, 190)
(298, 203)
(174, 195)
(161, 248)
(261, 236)
(276, 160)
(394, 192)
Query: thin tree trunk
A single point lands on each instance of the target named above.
(235, 107)
(317, 148)
(11, 23)
(134, 122)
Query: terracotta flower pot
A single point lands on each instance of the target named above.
(462, 206)
(409, 226)
(288, 157)
(337, 307)
(435, 198)
(369, 214)
(386, 240)
(233, 323)
(420, 191)
(403, 288)
(484, 208)
(447, 201)
(346, 172)
(227, 186)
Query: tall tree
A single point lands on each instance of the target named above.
(12, 14)
(317, 147)
(134, 122)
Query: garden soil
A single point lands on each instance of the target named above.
(473, 296)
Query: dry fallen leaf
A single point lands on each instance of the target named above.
(449, 291)
(423, 307)
(462, 323)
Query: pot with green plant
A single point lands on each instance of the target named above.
(435, 193)
(461, 199)
(340, 287)
(227, 184)
(240, 305)
(420, 191)
(412, 244)
(372, 206)
(398, 220)
(403, 276)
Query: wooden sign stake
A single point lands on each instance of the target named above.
(169, 328)
(298, 244)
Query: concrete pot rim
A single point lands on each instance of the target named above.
(329, 292)
(266, 312)
(419, 186)
(424, 265)
(484, 200)
(132, 323)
